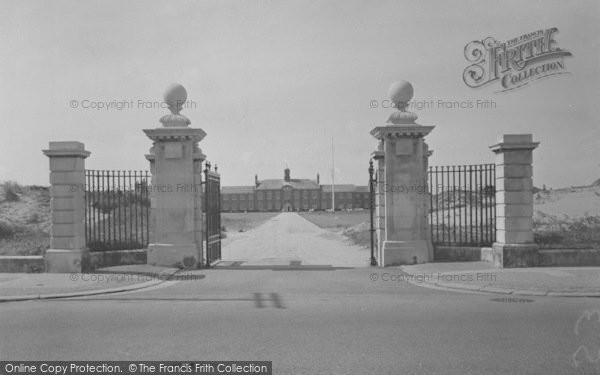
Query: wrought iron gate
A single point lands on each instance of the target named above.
(372, 184)
(117, 209)
(463, 205)
(212, 209)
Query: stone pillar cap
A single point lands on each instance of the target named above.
(514, 142)
(515, 138)
(175, 134)
(66, 148)
(400, 131)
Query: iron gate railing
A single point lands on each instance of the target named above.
(372, 185)
(117, 210)
(462, 205)
(212, 209)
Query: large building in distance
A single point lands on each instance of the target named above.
(291, 194)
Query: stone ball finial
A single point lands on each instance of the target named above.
(175, 96)
(400, 93)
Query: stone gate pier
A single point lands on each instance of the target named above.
(67, 252)
(514, 246)
(401, 196)
(176, 191)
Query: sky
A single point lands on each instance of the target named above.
(273, 82)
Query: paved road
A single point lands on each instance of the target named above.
(307, 322)
(332, 321)
(288, 237)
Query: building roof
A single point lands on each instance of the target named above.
(237, 189)
(341, 188)
(346, 188)
(277, 184)
(302, 184)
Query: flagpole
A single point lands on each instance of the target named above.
(332, 179)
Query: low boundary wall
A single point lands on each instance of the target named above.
(535, 258)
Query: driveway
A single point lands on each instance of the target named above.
(287, 239)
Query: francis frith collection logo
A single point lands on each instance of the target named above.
(516, 62)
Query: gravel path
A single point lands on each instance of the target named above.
(288, 237)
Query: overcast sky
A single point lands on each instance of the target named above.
(273, 81)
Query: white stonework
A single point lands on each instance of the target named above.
(514, 246)
(175, 163)
(402, 155)
(67, 252)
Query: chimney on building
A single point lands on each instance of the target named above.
(318, 179)
(256, 180)
(286, 175)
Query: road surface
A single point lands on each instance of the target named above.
(332, 321)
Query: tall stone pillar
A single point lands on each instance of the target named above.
(67, 252)
(514, 246)
(404, 183)
(176, 192)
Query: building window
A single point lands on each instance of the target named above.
(269, 195)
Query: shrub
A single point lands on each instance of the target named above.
(11, 191)
(9, 230)
(189, 262)
(489, 190)
(568, 233)
(548, 238)
(106, 202)
(6, 230)
(33, 218)
(18, 240)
